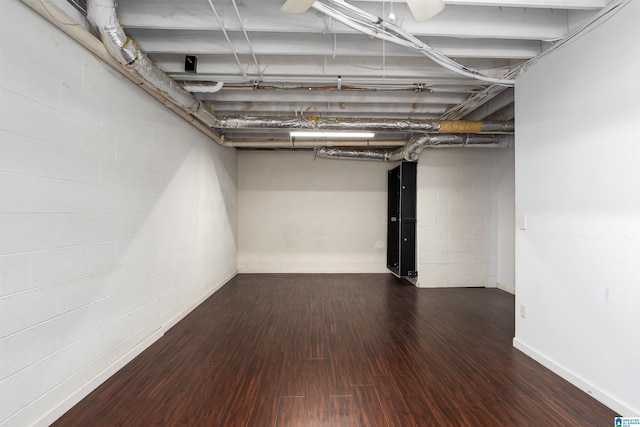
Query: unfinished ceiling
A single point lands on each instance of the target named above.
(255, 60)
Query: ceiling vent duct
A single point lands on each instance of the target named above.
(412, 151)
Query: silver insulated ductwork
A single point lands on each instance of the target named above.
(102, 15)
(411, 152)
(359, 124)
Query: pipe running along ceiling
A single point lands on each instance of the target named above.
(413, 149)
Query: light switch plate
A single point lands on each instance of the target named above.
(522, 222)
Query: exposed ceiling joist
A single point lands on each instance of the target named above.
(455, 21)
(551, 4)
(207, 42)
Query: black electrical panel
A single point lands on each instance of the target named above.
(401, 220)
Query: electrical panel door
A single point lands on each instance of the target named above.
(401, 220)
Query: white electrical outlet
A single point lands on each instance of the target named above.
(522, 311)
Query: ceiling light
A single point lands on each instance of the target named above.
(425, 9)
(297, 6)
(392, 16)
(420, 9)
(321, 134)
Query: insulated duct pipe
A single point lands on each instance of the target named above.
(412, 150)
(352, 153)
(102, 15)
(346, 123)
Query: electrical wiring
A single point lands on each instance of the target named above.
(376, 27)
(593, 23)
(478, 98)
(226, 36)
(246, 37)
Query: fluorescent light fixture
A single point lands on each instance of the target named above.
(322, 134)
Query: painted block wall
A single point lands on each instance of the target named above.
(577, 182)
(461, 195)
(116, 219)
(504, 189)
(297, 214)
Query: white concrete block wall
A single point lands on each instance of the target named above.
(116, 217)
(457, 217)
(297, 214)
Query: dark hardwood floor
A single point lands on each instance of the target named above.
(339, 350)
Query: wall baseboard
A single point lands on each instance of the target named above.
(97, 380)
(506, 288)
(172, 322)
(105, 374)
(617, 405)
(311, 269)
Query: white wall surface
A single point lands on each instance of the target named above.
(116, 217)
(504, 191)
(578, 183)
(297, 214)
(460, 195)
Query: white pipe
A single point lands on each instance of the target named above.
(203, 88)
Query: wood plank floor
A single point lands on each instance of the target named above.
(339, 350)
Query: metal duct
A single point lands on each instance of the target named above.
(346, 123)
(411, 152)
(352, 153)
(102, 15)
